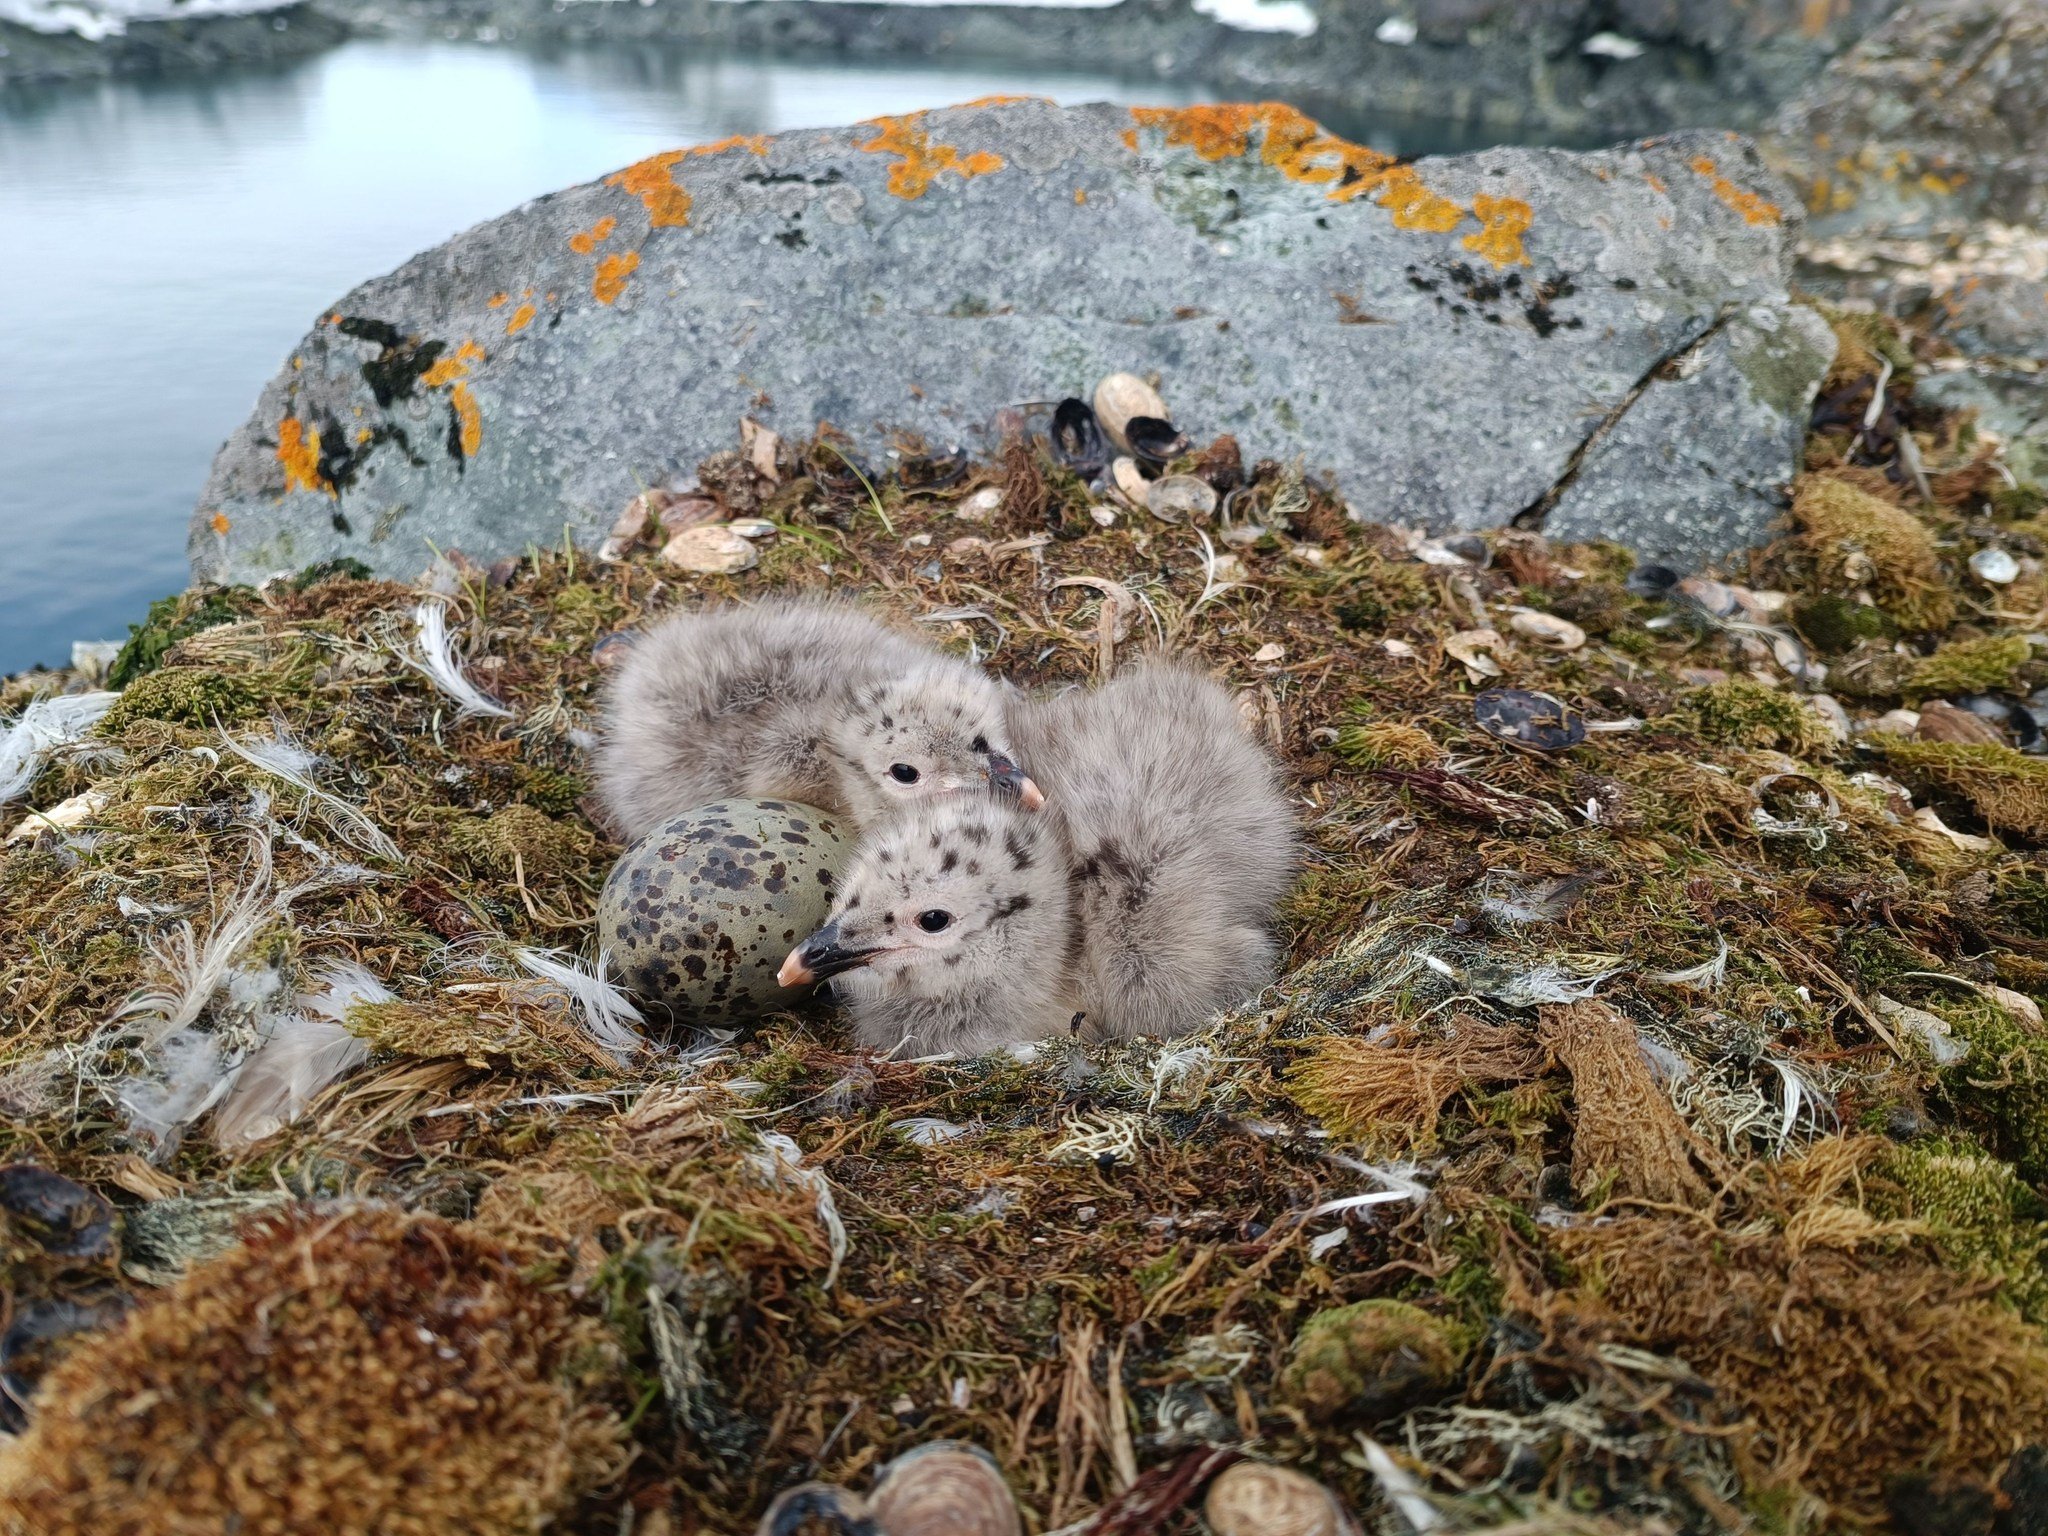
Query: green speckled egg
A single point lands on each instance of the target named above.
(700, 913)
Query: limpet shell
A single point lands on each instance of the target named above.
(711, 549)
(1253, 1498)
(944, 1489)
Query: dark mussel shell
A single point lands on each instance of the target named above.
(2009, 715)
(1651, 580)
(933, 471)
(1077, 440)
(29, 1346)
(1521, 717)
(1155, 441)
(818, 1509)
(63, 1218)
(841, 471)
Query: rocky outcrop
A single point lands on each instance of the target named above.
(44, 42)
(1603, 339)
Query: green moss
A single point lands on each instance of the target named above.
(1970, 666)
(2000, 1089)
(328, 570)
(1979, 1214)
(2013, 502)
(1370, 1360)
(552, 791)
(193, 696)
(170, 620)
(1741, 713)
(1838, 624)
(520, 837)
(1368, 743)
(2008, 789)
(1857, 540)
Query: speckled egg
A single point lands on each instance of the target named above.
(701, 912)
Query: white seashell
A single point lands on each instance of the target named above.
(1397, 31)
(1252, 1498)
(1896, 722)
(944, 1489)
(1471, 646)
(1120, 397)
(1130, 484)
(1272, 650)
(712, 550)
(1104, 517)
(753, 527)
(61, 817)
(1994, 566)
(1548, 630)
(1181, 499)
(981, 506)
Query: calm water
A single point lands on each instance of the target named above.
(163, 244)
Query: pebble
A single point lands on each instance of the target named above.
(711, 549)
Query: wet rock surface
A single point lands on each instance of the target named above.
(1463, 342)
(208, 40)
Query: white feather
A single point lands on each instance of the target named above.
(927, 1130)
(278, 755)
(437, 660)
(39, 730)
(608, 1014)
(780, 1161)
(301, 1053)
(188, 1072)
(1400, 1487)
(1800, 1098)
(194, 968)
(1707, 975)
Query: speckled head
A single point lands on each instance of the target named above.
(939, 730)
(944, 897)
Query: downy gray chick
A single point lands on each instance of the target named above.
(813, 702)
(1142, 900)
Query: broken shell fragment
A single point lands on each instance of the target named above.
(944, 1489)
(1994, 566)
(1253, 1498)
(711, 550)
(1122, 397)
(1651, 580)
(1077, 438)
(1130, 484)
(981, 506)
(1522, 717)
(2012, 719)
(1547, 629)
(1181, 499)
(1155, 440)
(1471, 646)
(818, 1509)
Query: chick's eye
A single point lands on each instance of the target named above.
(903, 773)
(981, 745)
(934, 921)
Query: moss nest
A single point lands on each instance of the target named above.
(1546, 1012)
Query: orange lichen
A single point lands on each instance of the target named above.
(1080, 194)
(1656, 182)
(1505, 220)
(1754, 209)
(612, 273)
(921, 162)
(498, 301)
(1299, 148)
(469, 419)
(1413, 205)
(219, 523)
(1001, 101)
(298, 450)
(653, 181)
(584, 241)
(454, 366)
(522, 317)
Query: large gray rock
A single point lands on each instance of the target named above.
(1447, 338)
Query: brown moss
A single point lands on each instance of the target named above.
(1856, 540)
(1389, 1093)
(1855, 1360)
(521, 837)
(342, 1371)
(1626, 1137)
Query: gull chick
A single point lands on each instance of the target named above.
(813, 702)
(1141, 902)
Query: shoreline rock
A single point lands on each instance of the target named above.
(152, 43)
(1459, 342)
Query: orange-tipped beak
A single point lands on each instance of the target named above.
(794, 972)
(822, 955)
(1030, 796)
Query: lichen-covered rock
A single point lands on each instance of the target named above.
(1459, 340)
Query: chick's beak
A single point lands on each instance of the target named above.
(823, 954)
(1012, 780)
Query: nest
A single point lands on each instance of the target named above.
(1567, 1083)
